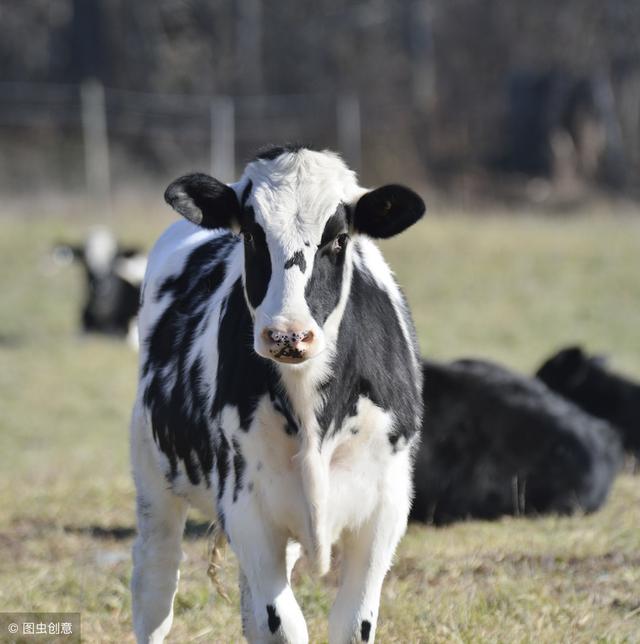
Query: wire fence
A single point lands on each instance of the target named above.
(96, 139)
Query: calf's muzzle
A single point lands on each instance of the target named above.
(290, 345)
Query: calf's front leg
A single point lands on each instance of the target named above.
(367, 555)
(270, 613)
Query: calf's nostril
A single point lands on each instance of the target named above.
(275, 337)
(307, 336)
(279, 337)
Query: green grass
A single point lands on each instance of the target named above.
(510, 289)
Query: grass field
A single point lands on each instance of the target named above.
(511, 289)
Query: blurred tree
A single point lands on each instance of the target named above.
(434, 77)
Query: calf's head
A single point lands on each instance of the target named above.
(297, 211)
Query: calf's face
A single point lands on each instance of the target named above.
(297, 213)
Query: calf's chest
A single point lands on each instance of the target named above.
(352, 460)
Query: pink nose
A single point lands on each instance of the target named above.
(289, 343)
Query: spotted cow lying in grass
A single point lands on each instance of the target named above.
(280, 390)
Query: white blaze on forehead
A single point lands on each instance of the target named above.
(100, 249)
(294, 194)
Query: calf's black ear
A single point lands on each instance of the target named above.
(203, 200)
(387, 211)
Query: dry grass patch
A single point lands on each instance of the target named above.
(509, 289)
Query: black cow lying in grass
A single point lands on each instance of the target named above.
(590, 384)
(495, 442)
(113, 277)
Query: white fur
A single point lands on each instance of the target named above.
(131, 269)
(297, 492)
(100, 250)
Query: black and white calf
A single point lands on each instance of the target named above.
(280, 390)
(113, 277)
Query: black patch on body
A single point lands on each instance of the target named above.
(274, 618)
(179, 416)
(257, 260)
(222, 462)
(281, 404)
(238, 468)
(365, 630)
(202, 274)
(243, 376)
(372, 360)
(297, 259)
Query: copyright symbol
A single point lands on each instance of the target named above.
(13, 628)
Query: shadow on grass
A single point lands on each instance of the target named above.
(193, 530)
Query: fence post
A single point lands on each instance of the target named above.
(96, 145)
(223, 139)
(349, 129)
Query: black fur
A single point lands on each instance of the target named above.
(203, 200)
(238, 468)
(271, 152)
(372, 360)
(590, 384)
(322, 292)
(337, 224)
(246, 193)
(282, 405)
(179, 415)
(222, 462)
(387, 211)
(257, 260)
(297, 259)
(495, 442)
(365, 630)
(274, 618)
(111, 304)
(243, 376)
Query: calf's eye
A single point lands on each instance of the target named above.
(248, 237)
